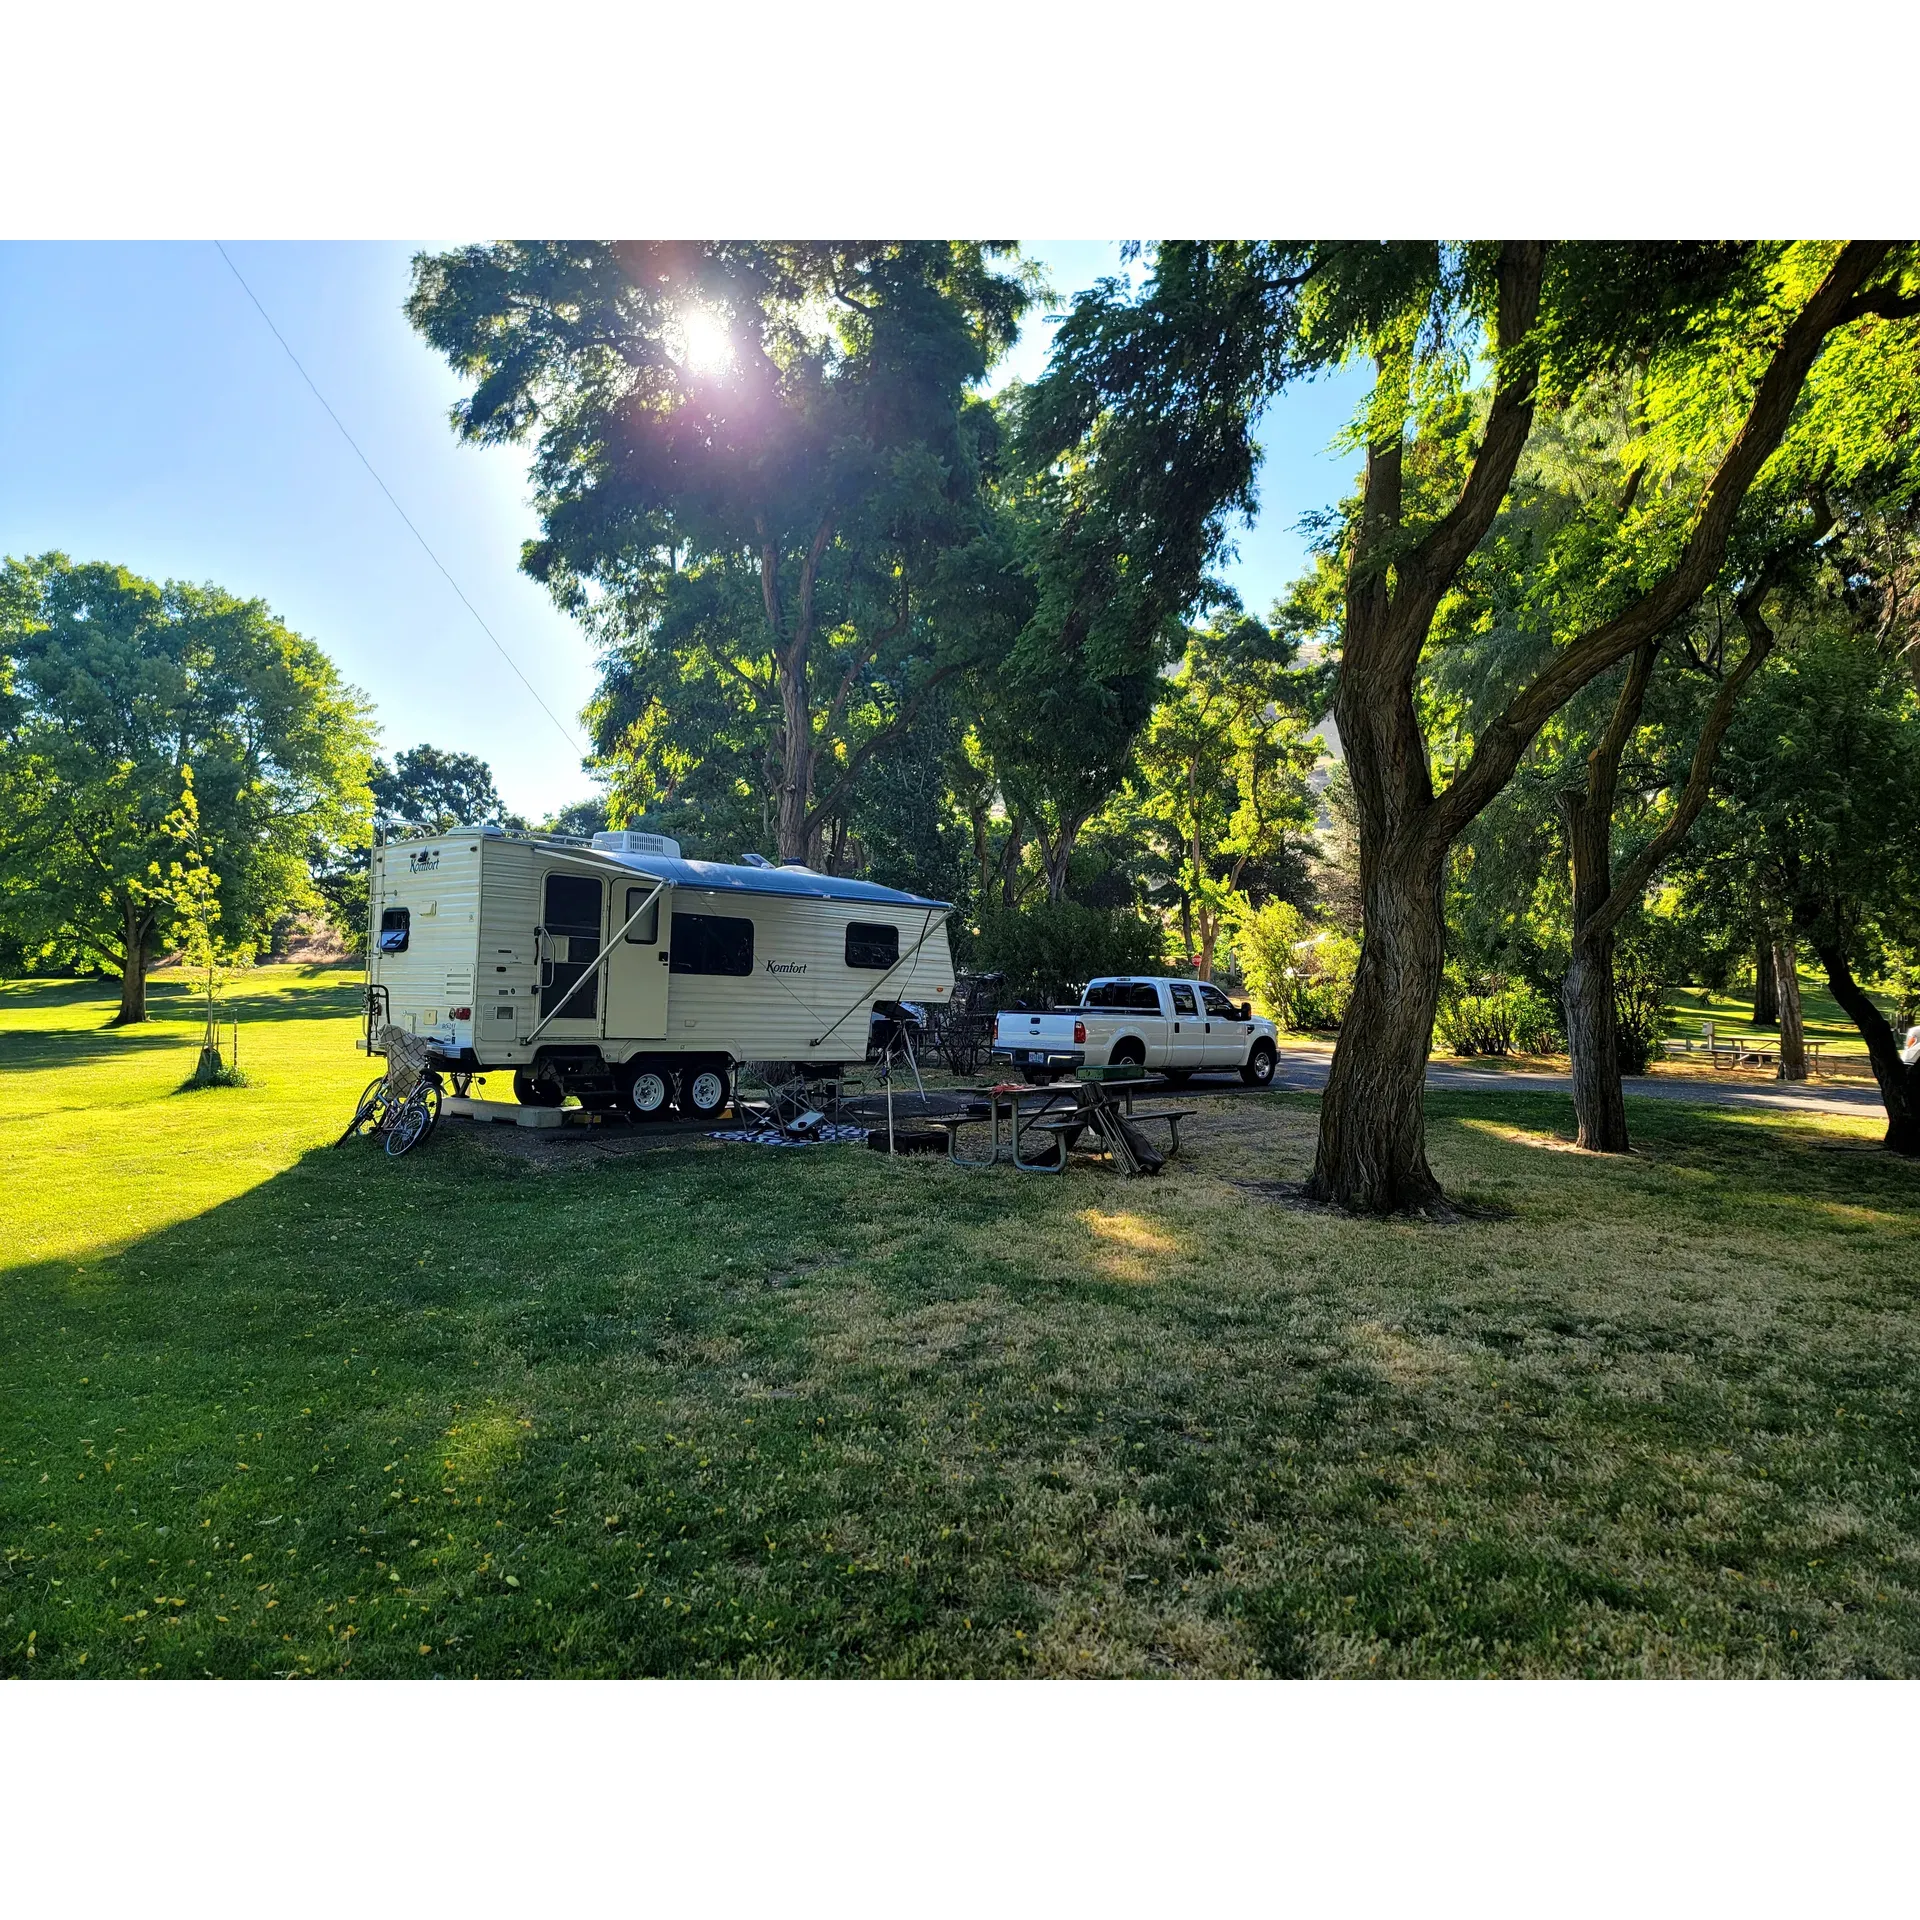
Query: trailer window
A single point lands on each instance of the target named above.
(1134, 996)
(873, 946)
(394, 924)
(711, 943)
(646, 930)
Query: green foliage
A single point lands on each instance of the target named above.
(1224, 765)
(758, 471)
(1303, 977)
(1492, 1014)
(429, 790)
(1822, 776)
(118, 691)
(1639, 1006)
(1051, 949)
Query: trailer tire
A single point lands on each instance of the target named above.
(536, 1093)
(649, 1090)
(704, 1089)
(1258, 1072)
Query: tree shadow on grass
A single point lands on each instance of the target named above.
(29, 1048)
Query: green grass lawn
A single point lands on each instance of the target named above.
(269, 1408)
(1732, 1015)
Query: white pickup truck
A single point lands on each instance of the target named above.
(1175, 1027)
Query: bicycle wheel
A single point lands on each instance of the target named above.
(410, 1128)
(430, 1093)
(369, 1114)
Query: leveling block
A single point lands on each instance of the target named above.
(509, 1113)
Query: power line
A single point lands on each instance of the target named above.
(573, 739)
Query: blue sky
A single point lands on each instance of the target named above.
(148, 416)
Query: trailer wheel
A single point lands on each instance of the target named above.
(536, 1093)
(649, 1092)
(704, 1090)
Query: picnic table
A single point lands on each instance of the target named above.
(1723, 1052)
(1060, 1115)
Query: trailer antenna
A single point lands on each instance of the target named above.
(573, 739)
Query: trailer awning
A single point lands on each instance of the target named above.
(786, 882)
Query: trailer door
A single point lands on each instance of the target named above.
(572, 915)
(639, 967)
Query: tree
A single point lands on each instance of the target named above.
(1733, 338)
(1225, 761)
(760, 453)
(428, 789)
(1822, 770)
(121, 691)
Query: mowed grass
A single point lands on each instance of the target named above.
(269, 1408)
(1732, 1015)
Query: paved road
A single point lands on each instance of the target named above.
(1302, 1071)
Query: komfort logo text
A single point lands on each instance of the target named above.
(785, 966)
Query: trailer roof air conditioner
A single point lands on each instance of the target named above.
(626, 842)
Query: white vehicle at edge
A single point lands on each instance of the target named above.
(1173, 1027)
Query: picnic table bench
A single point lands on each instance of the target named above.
(1061, 1114)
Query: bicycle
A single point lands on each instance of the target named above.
(404, 1118)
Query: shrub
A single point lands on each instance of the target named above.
(1495, 1015)
(1050, 950)
(1304, 978)
(1639, 1010)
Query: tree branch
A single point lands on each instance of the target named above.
(1500, 747)
(1430, 567)
(830, 802)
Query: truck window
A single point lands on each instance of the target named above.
(1182, 997)
(711, 943)
(394, 924)
(1216, 1003)
(873, 946)
(646, 930)
(1132, 996)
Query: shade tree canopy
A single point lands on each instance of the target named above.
(758, 455)
(1473, 347)
(120, 695)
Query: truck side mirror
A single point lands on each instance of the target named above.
(1243, 1012)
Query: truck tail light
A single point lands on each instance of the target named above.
(1079, 1033)
(460, 1013)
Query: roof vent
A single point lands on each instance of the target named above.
(755, 860)
(625, 842)
(801, 865)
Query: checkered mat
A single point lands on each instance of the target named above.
(824, 1136)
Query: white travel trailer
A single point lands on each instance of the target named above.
(621, 973)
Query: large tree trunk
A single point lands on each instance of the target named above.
(796, 762)
(1593, 1047)
(1766, 998)
(1899, 1083)
(136, 931)
(1786, 986)
(1372, 1154)
(1593, 1039)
